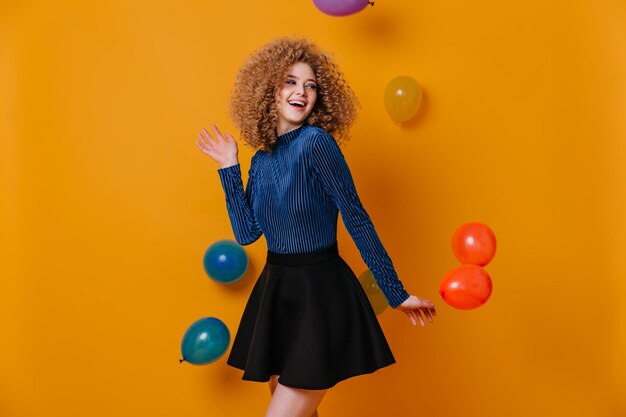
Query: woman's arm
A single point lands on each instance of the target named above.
(330, 167)
(239, 203)
(223, 150)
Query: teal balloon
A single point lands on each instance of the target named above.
(205, 341)
(225, 261)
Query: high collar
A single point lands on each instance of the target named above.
(288, 137)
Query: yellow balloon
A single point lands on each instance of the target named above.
(403, 97)
(374, 294)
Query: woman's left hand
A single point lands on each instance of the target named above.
(415, 307)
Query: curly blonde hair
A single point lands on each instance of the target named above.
(254, 96)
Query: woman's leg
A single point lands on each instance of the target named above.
(292, 402)
(273, 382)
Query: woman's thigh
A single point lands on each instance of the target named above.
(294, 402)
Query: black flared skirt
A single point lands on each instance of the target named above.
(308, 320)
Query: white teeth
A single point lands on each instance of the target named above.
(297, 103)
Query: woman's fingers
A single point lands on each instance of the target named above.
(428, 315)
(207, 151)
(220, 138)
(411, 316)
(201, 146)
(416, 315)
(429, 306)
(208, 138)
(419, 316)
(217, 132)
(420, 310)
(203, 141)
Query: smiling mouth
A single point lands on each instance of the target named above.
(297, 104)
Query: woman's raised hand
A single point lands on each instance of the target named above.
(222, 149)
(415, 307)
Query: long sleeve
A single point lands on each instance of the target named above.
(239, 203)
(330, 167)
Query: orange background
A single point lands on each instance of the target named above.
(107, 206)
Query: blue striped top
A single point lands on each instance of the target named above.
(293, 196)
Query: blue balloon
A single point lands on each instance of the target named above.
(225, 261)
(205, 341)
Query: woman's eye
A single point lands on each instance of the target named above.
(291, 82)
(311, 86)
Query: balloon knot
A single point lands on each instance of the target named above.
(181, 360)
(371, 3)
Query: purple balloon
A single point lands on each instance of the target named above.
(341, 7)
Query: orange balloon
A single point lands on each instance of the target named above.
(374, 293)
(403, 97)
(466, 287)
(474, 243)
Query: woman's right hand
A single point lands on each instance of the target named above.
(415, 306)
(222, 150)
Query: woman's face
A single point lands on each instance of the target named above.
(296, 97)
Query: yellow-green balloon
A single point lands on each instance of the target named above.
(374, 294)
(403, 97)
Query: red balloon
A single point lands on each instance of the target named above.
(466, 287)
(474, 243)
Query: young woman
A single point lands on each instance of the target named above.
(308, 323)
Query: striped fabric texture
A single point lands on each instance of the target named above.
(293, 197)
